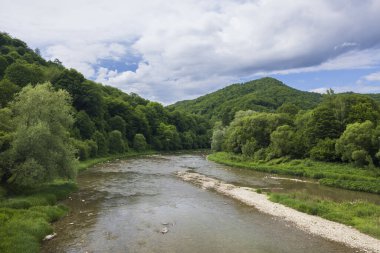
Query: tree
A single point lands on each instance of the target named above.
(101, 143)
(356, 143)
(3, 65)
(169, 137)
(116, 143)
(22, 74)
(324, 151)
(288, 108)
(139, 142)
(7, 91)
(118, 123)
(85, 125)
(217, 139)
(41, 148)
(284, 141)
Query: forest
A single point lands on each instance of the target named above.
(52, 116)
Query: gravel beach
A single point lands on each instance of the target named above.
(312, 224)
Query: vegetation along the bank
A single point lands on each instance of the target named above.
(337, 142)
(331, 174)
(361, 215)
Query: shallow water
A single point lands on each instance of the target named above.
(122, 207)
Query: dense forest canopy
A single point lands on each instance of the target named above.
(50, 115)
(262, 95)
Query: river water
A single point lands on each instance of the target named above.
(123, 206)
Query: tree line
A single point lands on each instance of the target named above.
(342, 128)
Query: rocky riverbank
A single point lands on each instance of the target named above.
(312, 224)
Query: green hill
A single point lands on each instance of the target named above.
(265, 94)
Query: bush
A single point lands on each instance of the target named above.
(139, 142)
(249, 148)
(116, 142)
(82, 150)
(101, 143)
(28, 173)
(324, 151)
(93, 148)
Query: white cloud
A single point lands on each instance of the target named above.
(190, 47)
(373, 77)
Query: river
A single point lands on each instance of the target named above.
(122, 206)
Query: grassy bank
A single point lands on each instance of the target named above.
(343, 176)
(93, 161)
(25, 219)
(363, 216)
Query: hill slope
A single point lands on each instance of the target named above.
(265, 94)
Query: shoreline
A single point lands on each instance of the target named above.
(311, 224)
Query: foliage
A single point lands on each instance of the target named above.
(116, 143)
(85, 125)
(355, 144)
(25, 218)
(139, 142)
(21, 73)
(217, 137)
(7, 92)
(324, 151)
(362, 215)
(331, 174)
(264, 95)
(40, 148)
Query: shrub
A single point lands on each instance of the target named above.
(139, 142)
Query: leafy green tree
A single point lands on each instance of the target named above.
(284, 141)
(324, 151)
(116, 142)
(7, 91)
(324, 124)
(85, 125)
(139, 142)
(3, 65)
(22, 74)
(41, 148)
(118, 123)
(356, 143)
(256, 127)
(187, 139)
(217, 139)
(249, 148)
(288, 108)
(101, 143)
(168, 137)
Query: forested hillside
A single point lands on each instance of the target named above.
(49, 115)
(263, 95)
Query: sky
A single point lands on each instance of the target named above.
(166, 50)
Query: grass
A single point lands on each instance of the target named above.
(25, 218)
(361, 215)
(83, 165)
(337, 175)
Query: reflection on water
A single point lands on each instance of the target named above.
(124, 205)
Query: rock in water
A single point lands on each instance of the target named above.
(164, 230)
(49, 237)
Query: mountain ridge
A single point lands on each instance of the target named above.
(264, 94)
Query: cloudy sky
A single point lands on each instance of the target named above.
(168, 50)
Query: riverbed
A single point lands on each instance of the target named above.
(123, 206)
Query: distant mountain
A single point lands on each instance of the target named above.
(265, 94)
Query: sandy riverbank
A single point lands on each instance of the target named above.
(309, 223)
